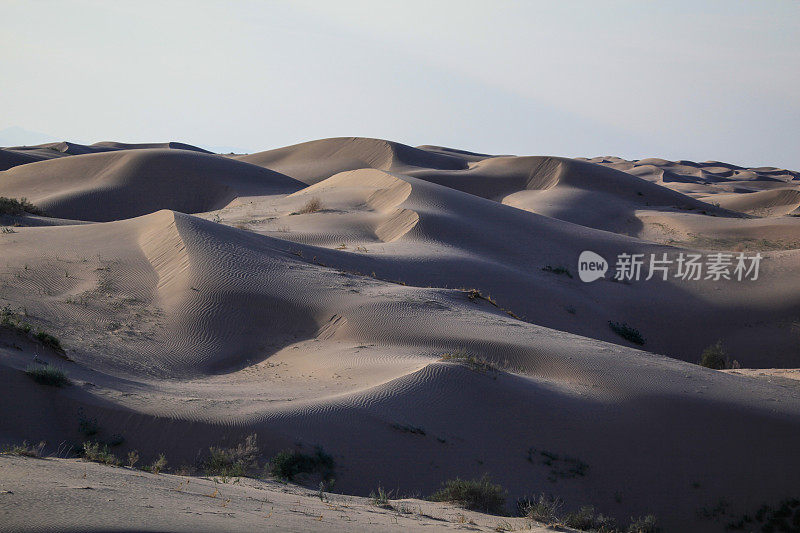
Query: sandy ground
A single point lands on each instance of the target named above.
(199, 300)
(72, 495)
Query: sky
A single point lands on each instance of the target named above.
(691, 80)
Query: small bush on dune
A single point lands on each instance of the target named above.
(645, 524)
(133, 458)
(471, 361)
(312, 206)
(87, 426)
(548, 510)
(13, 206)
(48, 340)
(48, 375)
(587, 520)
(288, 464)
(627, 332)
(380, 498)
(99, 453)
(12, 320)
(476, 495)
(715, 357)
(157, 466)
(560, 270)
(233, 462)
(545, 509)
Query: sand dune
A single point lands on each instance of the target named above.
(771, 202)
(315, 160)
(19, 155)
(179, 503)
(318, 294)
(566, 189)
(127, 183)
(702, 178)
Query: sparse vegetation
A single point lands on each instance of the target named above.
(290, 463)
(715, 357)
(312, 206)
(133, 458)
(25, 449)
(405, 428)
(471, 361)
(626, 332)
(13, 320)
(87, 426)
(644, 524)
(48, 340)
(547, 509)
(561, 467)
(13, 206)
(784, 516)
(476, 495)
(475, 294)
(587, 519)
(233, 462)
(560, 270)
(99, 453)
(543, 508)
(157, 466)
(380, 498)
(48, 375)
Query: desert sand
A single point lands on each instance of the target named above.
(322, 295)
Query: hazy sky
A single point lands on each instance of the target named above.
(692, 80)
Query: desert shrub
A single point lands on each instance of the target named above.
(13, 206)
(87, 426)
(312, 206)
(564, 271)
(626, 332)
(475, 294)
(380, 498)
(233, 462)
(157, 466)
(48, 340)
(99, 453)
(48, 375)
(644, 524)
(476, 495)
(588, 520)
(25, 449)
(543, 508)
(407, 428)
(471, 361)
(783, 516)
(11, 320)
(715, 357)
(133, 458)
(289, 463)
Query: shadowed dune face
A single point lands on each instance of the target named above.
(319, 294)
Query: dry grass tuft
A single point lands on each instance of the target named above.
(25, 449)
(312, 206)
